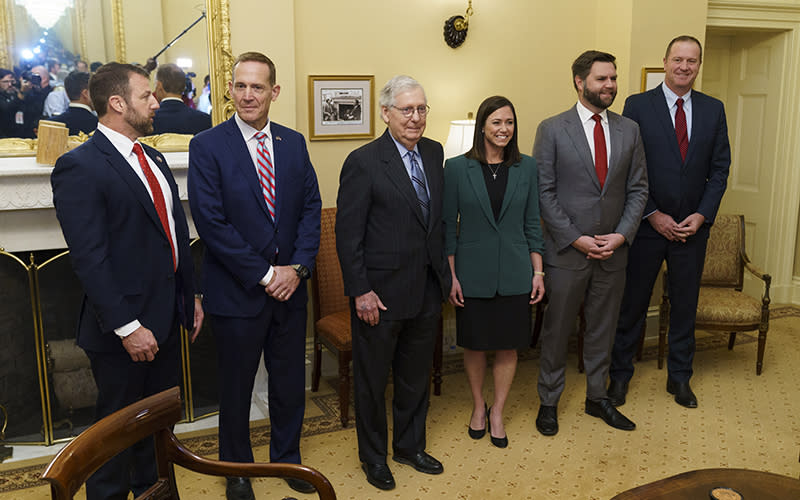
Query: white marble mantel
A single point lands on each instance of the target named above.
(27, 217)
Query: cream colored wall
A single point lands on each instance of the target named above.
(97, 49)
(177, 16)
(503, 54)
(144, 35)
(268, 27)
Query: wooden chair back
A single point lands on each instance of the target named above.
(155, 416)
(326, 280)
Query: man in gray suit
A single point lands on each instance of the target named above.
(592, 191)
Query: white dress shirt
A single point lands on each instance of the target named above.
(672, 105)
(585, 115)
(125, 148)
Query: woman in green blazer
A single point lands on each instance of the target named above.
(493, 241)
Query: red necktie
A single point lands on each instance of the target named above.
(158, 198)
(680, 129)
(266, 172)
(600, 154)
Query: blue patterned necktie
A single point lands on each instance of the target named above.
(418, 180)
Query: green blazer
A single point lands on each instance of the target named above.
(491, 257)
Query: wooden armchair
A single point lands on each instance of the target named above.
(332, 317)
(722, 306)
(155, 416)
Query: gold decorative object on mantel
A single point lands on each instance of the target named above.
(52, 142)
(455, 28)
(168, 143)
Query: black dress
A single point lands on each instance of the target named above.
(501, 322)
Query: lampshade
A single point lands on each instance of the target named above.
(459, 140)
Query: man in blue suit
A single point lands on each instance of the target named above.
(685, 137)
(121, 216)
(79, 116)
(174, 115)
(256, 205)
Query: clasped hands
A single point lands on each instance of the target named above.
(675, 231)
(599, 247)
(283, 283)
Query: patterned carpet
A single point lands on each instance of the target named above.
(743, 421)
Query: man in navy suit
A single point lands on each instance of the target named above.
(390, 242)
(173, 115)
(121, 216)
(685, 137)
(78, 117)
(256, 205)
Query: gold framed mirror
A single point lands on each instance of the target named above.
(111, 22)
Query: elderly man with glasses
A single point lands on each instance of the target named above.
(390, 244)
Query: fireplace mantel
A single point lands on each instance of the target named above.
(27, 217)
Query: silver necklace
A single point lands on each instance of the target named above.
(494, 171)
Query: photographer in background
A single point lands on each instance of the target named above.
(10, 105)
(35, 89)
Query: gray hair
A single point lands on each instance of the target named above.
(398, 84)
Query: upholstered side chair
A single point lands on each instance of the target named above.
(722, 305)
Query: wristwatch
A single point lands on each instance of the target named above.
(302, 271)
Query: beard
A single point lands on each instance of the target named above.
(143, 124)
(595, 99)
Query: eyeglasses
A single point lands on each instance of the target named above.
(409, 111)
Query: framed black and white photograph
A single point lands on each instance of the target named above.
(652, 77)
(340, 107)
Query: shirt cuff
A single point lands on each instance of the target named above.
(127, 329)
(648, 215)
(265, 280)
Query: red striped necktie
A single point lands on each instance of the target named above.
(266, 172)
(158, 198)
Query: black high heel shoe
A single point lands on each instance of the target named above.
(478, 433)
(499, 442)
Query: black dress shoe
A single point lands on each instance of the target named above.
(499, 442)
(617, 392)
(420, 461)
(239, 489)
(478, 433)
(610, 415)
(547, 420)
(379, 476)
(300, 485)
(683, 393)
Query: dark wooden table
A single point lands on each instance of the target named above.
(696, 485)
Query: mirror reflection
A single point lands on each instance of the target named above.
(52, 42)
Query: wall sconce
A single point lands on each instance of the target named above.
(455, 28)
(459, 140)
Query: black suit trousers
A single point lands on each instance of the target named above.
(279, 332)
(121, 382)
(406, 346)
(684, 270)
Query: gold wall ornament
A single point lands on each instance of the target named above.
(455, 28)
(119, 31)
(220, 59)
(168, 143)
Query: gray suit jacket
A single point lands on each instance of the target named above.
(570, 199)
